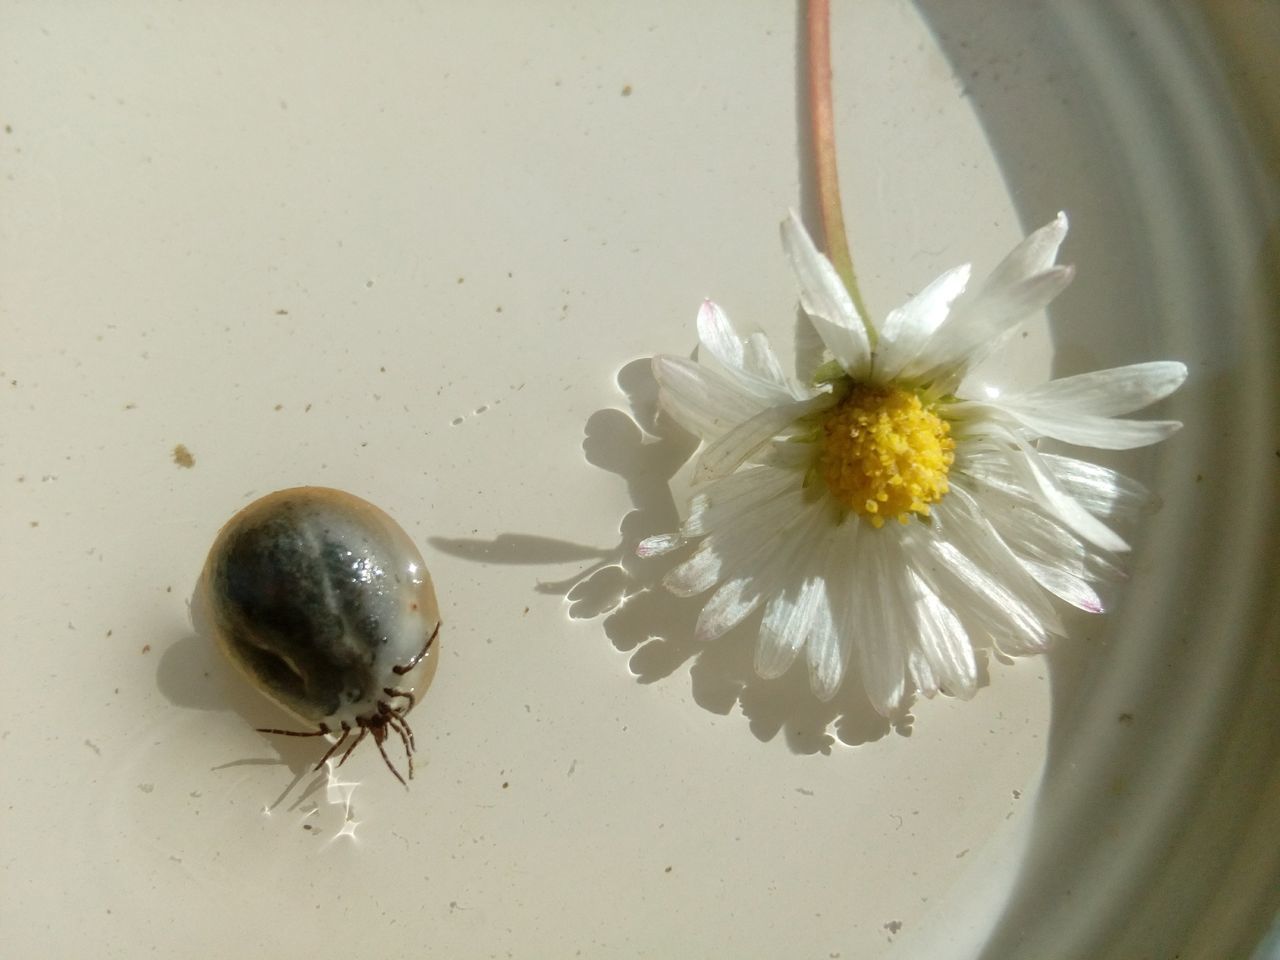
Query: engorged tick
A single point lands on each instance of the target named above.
(326, 606)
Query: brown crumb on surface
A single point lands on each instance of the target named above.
(146, 648)
(505, 784)
(668, 870)
(626, 90)
(1126, 718)
(182, 456)
(282, 312)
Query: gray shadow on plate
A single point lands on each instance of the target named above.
(1032, 71)
(646, 449)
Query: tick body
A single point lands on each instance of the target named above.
(325, 604)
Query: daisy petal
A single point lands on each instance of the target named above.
(808, 348)
(1103, 393)
(829, 654)
(717, 335)
(1006, 306)
(959, 556)
(1061, 584)
(751, 575)
(1029, 533)
(721, 349)
(943, 659)
(1035, 254)
(724, 553)
(907, 328)
(888, 618)
(1040, 483)
(1010, 624)
(788, 455)
(968, 527)
(1099, 489)
(786, 627)
(761, 361)
(793, 616)
(734, 499)
(824, 635)
(977, 326)
(922, 675)
(703, 401)
(732, 449)
(696, 575)
(825, 299)
(1101, 433)
(659, 545)
(727, 608)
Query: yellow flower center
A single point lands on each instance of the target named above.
(885, 454)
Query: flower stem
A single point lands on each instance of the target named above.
(824, 150)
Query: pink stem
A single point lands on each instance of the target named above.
(824, 148)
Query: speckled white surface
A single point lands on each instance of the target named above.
(410, 250)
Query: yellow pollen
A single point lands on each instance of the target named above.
(885, 455)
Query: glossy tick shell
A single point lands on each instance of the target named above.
(325, 604)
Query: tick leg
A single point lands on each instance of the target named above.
(322, 731)
(346, 729)
(402, 669)
(393, 692)
(354, 743)
(389, 718)
(402, 727)
(406, 737)
(399, 724)
(387, 760)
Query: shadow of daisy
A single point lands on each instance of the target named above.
(641, 618)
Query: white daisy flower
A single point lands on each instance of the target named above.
(881, 511)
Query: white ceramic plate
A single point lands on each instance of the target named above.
(412, 250)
